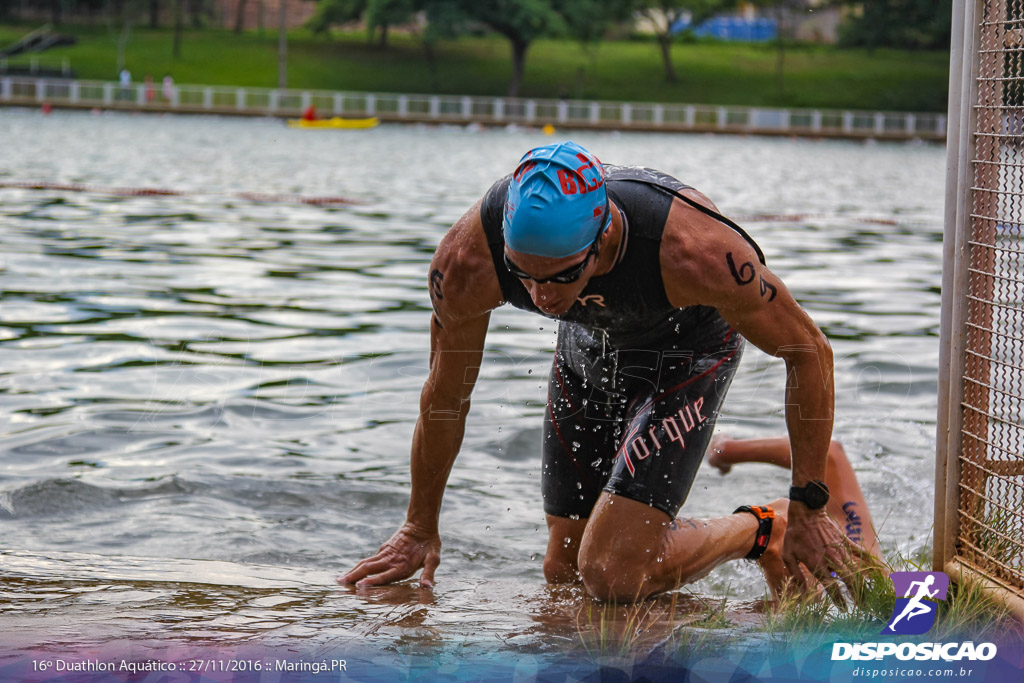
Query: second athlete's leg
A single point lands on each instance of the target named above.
(846, 501)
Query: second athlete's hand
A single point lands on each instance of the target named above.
(400, 557)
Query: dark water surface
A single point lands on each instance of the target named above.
(206, 401)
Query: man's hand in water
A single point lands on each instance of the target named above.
(405, 552)
(816, 541)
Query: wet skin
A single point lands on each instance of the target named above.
(625, 550)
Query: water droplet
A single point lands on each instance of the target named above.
(596, 463)
(487, 528)
(568, 541)
(579, 486)
(574, 516)
(533, 556)
(660, 559)
(530, 371)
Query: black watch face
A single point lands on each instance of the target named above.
(814, 495)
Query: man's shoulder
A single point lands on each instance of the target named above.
(462, 269)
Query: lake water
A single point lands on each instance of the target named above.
(207, 401)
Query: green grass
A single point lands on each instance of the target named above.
(627, 70)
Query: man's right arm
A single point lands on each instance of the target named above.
(463, 290)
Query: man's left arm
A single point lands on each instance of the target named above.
(725, 273)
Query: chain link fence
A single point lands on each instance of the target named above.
(980, 495)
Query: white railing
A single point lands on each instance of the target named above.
(34, 65)
(465, 109)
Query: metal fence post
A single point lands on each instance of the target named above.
(403, 106)
(659, 115)
(338, 104)
(371, 104)
(207, 98)
(108, 94)
(240, 99)
(40, 90)
(847, 122)
(435, 106)
(5, 88)
(467, 107)
(627, 114)
(499, 109)
(816, 121)
(272, 102)
(563, 111)
(911, 124)
(723, 117)
(595, 113)
(74, 92)
(879, 123)
(531, 110)
(690, 115)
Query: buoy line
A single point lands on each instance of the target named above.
(164, 192)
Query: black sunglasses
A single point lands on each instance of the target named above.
(562, 277)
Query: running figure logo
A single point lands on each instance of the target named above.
(915, 612)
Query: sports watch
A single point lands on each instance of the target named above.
(814, 495)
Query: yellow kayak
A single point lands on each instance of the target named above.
(336, 122)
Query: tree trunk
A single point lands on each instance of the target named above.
(282, 44)
(240, 16)
(519, 47)
(122, 42)
(383, 36)
(55, 17)
(665, 41)
(428, 49)
(154, 13)
(195, 13)
(780, 54)
(259, 17)
(179, 21)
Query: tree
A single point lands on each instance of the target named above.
(331, 12)
(665, 14)
(382, 14)
(179, 23)
(120, 16)
(521, 22)
(240, 16)
(588, 20)
(921, 24)
(785, 12)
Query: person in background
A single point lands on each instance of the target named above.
(125, 78)
(168, 88)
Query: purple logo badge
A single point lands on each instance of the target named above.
(917, 594)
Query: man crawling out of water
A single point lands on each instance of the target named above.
(656, 294)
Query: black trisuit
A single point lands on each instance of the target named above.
(636, 383)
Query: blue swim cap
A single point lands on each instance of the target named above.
(556, 202)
